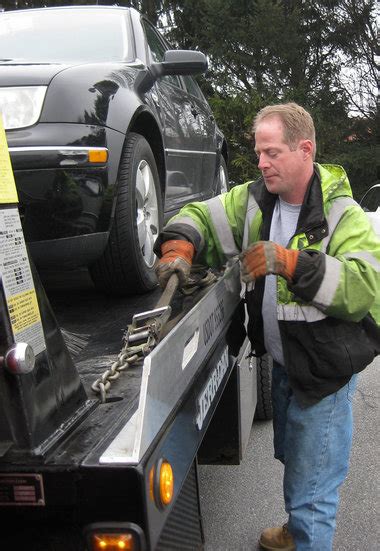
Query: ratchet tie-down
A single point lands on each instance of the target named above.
(147, 328)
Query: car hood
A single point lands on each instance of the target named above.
(29, 74)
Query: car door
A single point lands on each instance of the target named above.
(207, 129)
(182, 131)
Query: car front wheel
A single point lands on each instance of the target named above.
(127, 264)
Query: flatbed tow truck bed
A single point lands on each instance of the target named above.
(98, 323)
(182, 405)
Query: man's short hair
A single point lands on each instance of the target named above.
(298, 123)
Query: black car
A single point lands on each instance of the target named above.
(108, 134)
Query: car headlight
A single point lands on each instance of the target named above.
(21, 106)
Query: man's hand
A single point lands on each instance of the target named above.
(265, 257)
(177, 257)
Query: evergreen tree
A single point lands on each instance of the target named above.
(319, 53)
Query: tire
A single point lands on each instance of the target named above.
(222, 180)
(127, 264)
(264, 409)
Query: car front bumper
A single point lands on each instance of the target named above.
(66, 190)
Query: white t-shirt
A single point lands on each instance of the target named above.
(283, 227)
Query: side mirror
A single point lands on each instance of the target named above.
(175, 62)
(181, 62)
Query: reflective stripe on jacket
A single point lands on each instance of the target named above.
(329, 317)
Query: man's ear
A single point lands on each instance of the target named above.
(306, 147)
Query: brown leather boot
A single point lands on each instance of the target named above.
(277, 539)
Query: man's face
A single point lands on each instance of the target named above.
(285, 172)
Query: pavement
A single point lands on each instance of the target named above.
(239, 501)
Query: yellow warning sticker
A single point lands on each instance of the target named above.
(23, 310)
(8, 192)
(17, 282)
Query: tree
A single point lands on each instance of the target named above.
(318, 53)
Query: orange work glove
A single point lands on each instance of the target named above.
(177, 257)
(265, 257)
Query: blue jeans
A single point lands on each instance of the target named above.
(314, 444)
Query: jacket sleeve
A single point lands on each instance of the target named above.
(215, 227)
(344, 282)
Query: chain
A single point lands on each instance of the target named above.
(127, 356)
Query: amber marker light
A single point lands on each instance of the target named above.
(97, 155)
(113, 542)
(114, 536)
(151, 483)
(161, 483)
(166, 482)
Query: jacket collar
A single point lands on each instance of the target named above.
(311, 220)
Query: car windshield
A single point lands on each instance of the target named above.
(55, 36)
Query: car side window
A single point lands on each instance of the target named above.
(193, 88)
(157, 50)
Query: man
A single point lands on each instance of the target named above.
(311, 263)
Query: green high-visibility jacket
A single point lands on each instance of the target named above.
(329, 316)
